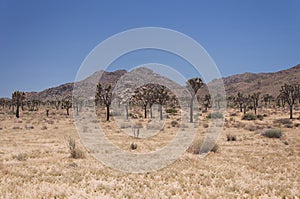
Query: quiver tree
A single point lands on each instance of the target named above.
(193, 85)
(17, 99)
(104, 96)
(255, 98)
(290, 93)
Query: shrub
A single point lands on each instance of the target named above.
(231, 137)
(174, 123)
(21, 157)
(194, 148)
(272, 133)
(215, 115)
(171, 111)
(74, 151)
(249, 116)
(283, 121)
(215, 149)
(260, 117)
(133, 146)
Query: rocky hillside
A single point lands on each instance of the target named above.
(247, 83)
(261, 82)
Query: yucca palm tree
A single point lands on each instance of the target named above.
(17, 99)
(105, 96)
(290, 93)
(194, 84)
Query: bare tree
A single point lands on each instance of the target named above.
(290, 93)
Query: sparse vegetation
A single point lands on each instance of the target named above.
(215, 115)
(75, 152)
(231, 137)
(249, 116)
(272, 133)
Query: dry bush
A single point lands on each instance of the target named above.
(174, 123)
(125, 125)
(249, 116)
(195, 147)
(284, 121)
(251, 127)
(231, 137)
(44, 128)
(272, 133)
(133, 146)
(21, 157)
(75, 152)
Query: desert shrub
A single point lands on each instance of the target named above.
(283, 121)
(233, 114)
(215, 115)
(75, 152)
(251, 127)
(125, 125)
(194, 148)
(215, 149)
(171, 111)
(133, 146)
(44, 128)
(272, 133)
(205, 125)
(21, 156)
(249, 116)
(174, 123)
(260, 117)
(231, 137)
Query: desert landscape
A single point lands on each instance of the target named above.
(256, 155)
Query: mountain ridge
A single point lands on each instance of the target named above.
(247, 82)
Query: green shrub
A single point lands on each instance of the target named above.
(249, 116)
(171, 111)
(272, 133)
(215, 115)
(260, 117)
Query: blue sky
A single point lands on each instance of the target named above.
(43, 43)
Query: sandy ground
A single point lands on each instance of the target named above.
(35, 161)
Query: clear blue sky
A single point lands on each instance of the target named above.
(43, 43)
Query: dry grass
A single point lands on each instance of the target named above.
(35, 163)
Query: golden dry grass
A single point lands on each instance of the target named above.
(35, 162)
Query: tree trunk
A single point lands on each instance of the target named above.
(241, 108)
(191, 111)
(151, 115)
(17, 112)
(291, 111)
(107, 112)
(160, 112)
(145, 111)
(67, 111)
(245, 109)
(47, 113)
(126, 109)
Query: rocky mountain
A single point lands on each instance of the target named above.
(246, 83)
(261, 82)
